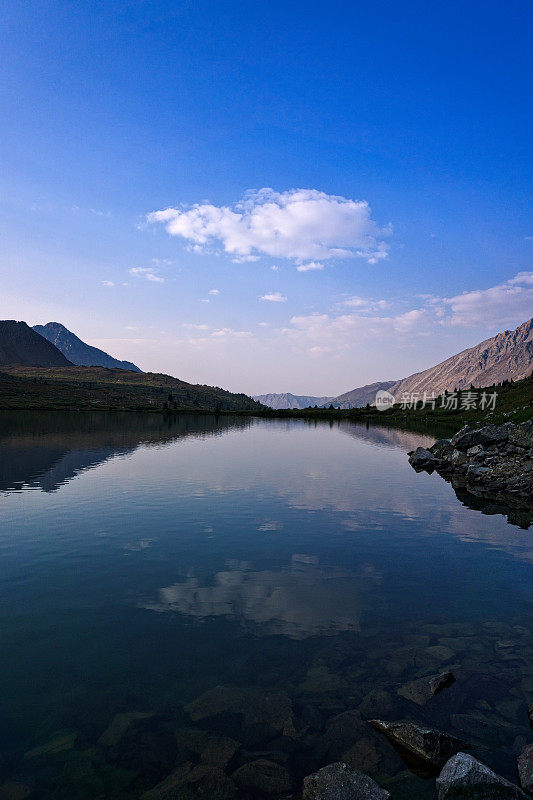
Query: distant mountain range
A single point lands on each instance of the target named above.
(77, 351)
(506, 356)
(288, 400)
(21, 345)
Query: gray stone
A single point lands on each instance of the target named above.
(119, 725)
(465, 778)
(422, 459)
(341, 782)
(525, 768)
(423, 689)
(429, 746)
(486, 436)
(263, 714)
(263, 776)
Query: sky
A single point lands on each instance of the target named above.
(269, 197)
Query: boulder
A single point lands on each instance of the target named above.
(118, 727)
(423, 689)
(252, 715)
(465, 778)
(530, 714)
(422, 459)
(340, 782)
(486, 436)
(426, 745)
(15, 790)
(263, 776)
(525, 768)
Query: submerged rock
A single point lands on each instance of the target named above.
(263, 776)
(63, 741)
(423, 689)
(254, 715)
(15, 790)
(465, 778)
(119, 726)
(340, 782)
(525, 768)
(427, 745)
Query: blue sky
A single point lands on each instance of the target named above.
(407, 126)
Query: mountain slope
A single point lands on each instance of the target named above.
(19, 344)
(288, 400)
(506, 356)
(77, 351)
(101, 388)
(357, 398)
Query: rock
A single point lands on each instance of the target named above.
(219, 751)
(440, 653)
(530, 714)
(15, 790)
(475, 471)
(423, 689)
(166, 789)
(427, 745)
(118, 727)
(379, 702)
(340, 782)
(465, 778)
(525, 768)
(263, 776)
(61, 742)
(146, 745)
(486, 436)
(261, 714)
(422, 459)
(211, 782)
(342, 731)
(458, 458)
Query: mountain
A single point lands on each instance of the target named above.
(288, 400)
(100, 388)
(21, 345)
(77, 351)
(506, 356)
(357, 398)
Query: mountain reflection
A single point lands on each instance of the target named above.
(44, 450)
(303, 600)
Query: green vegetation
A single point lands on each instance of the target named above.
(514, 402)
(99, 388)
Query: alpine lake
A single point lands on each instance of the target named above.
(185, 595)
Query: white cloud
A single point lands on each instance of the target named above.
(310, 266)
(108, 283)
(274, 297)
(365, 303)
(507, 303)
(299, 224)
(148, 273)
(274, 268)
(214, 291)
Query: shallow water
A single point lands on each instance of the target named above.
(146, 560)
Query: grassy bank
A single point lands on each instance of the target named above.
(100, 389)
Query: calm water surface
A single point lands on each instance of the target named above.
(145, 561)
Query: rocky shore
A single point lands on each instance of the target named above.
(494, 461)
